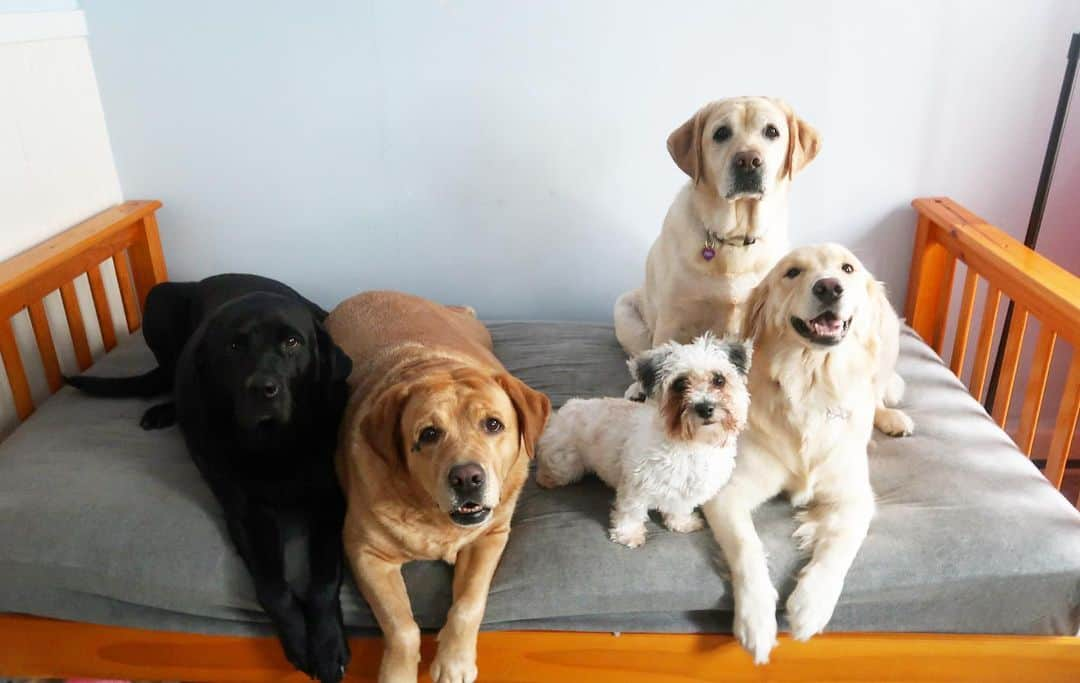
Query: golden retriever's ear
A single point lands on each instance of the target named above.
(754, 315)
(532, 408)
(684, 145)
(803, 142)
(381, 425)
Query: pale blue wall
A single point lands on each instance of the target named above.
(7, 6)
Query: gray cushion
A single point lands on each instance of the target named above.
(102, 522)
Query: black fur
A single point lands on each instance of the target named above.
(259, 392)
(739, 357)
(647, 370)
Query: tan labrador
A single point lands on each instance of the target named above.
(434, 450)
(726, 227)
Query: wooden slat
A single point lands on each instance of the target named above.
(1014, 341)
(127, 290)
(922, 233)
(933, 269)
(941, 310)
(75, 325)
(986, 340)
(46, 348)
(16, 374)
(147, 259)
(1036, 387)
(963, 322)
(1065, 425)
(101, 307)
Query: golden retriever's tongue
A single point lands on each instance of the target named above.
(826, 325)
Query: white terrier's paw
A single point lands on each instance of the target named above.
(755, 621)
(630, 536)
(453, 666)
(635, 392)
(684, 524)
(811, 604)
(893, 422)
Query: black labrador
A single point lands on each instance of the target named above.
(259, 389)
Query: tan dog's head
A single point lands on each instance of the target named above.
(817, 295)
(700, 387)
(457, 433)
(743, 147)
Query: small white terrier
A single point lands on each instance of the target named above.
(671, 453)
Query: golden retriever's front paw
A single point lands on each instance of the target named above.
(454, 665)
(755, 621)
(811, 604)
(630, 536)
(684, 524)
(893, 422)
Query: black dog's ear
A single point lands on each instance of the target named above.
(739, 353)
(648, 369)
(335, 364)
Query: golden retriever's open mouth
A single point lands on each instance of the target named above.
(469, 513)
(827, 329)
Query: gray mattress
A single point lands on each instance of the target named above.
(102, 522)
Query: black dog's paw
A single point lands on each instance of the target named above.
(328, 650)
(295, 648)
(159, 417)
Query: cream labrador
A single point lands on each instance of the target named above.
(826, 344)
(725, 228)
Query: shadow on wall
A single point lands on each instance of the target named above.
(885, 248)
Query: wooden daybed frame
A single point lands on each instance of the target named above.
(946, 233)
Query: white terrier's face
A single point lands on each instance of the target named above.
(700, 388)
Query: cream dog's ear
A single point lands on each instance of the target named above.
(804, 142)
(754, 316)
(684, 145)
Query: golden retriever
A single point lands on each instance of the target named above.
(826, 344)
(434, 450)
(725, 228)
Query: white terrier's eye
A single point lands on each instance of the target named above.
(680, 385)
(718, 380)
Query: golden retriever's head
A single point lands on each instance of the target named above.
(457, 433)
(744, 146)
(816, 295)
(700, 388)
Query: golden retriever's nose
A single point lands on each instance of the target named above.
(750, 159)
(828, 290)
(466, 478)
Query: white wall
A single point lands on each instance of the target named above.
(511, 155)
(56, 165)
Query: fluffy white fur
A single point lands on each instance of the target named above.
(670, 455)
(822, 373)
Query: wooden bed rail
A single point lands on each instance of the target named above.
(1040, 290)
(128, 234)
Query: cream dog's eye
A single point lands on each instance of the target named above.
(792, 272)
(718, 380)
(722, 133)
(492, 425)
(847, 268)
(429, 435)
(771, 132)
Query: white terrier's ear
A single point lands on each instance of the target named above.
(739, 352)
(647, 368)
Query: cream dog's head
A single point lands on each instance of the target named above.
(817, 295)
(700, 387)
(743, 147)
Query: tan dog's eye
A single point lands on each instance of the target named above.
(847, 268)
(771, 132)
(718, 380)
(429, 435)
(793, 273)
(492, 425)
(722, 133)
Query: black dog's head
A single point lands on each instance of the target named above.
(270, 366)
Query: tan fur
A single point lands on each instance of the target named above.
(685, 295)
(417, 363)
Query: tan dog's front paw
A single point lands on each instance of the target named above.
(755, 621)
(630, 536)
(893, 422)
(684, 524)
(454, 665)
(399, 668)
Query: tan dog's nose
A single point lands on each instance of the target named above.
(466, 478)
(748, 160)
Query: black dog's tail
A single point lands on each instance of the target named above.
(146, 385)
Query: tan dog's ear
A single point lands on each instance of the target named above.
(381, 425)
(532, 408)
(754, 316)
(803, 141)
(684, 145)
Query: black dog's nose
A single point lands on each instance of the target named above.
(466, 478)
(828, 289)
(704, 410)
(266, 386)
(748, 160)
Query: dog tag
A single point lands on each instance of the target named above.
(707, 253)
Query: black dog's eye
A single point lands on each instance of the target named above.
(793, 272)
(429, 435)
(292, 343)
(492, 425)
(236, 345)
(722, 133)
(771, 132)
(718, 380)
(847, 268)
